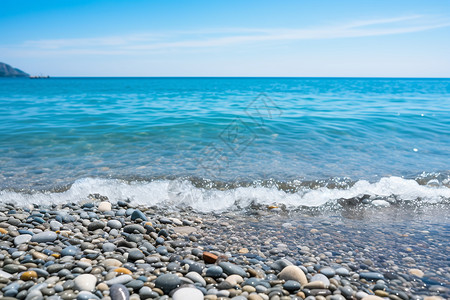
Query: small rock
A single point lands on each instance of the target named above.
(230, 269)
(416, 272)
(137, 214)
(119, 292)
(104, 206)
(96, 225)
(167, 282)
(69, 251)
(293, 273)
(291, 285)
(187, 293)
(114, 224)
(122, 279)
(85, 282)
(22, 239)
(29, 275)
(209, 258)
(44, 237)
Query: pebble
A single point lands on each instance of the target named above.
(416, 272)
(69, 251)
(29, 275)
(322, 278)
(187, 293)
(44, 237)
(231, 269)
(119, 292)
(373, 276)
(109, 247)
(293, 273)
(328, 272)
(214, 271)
(85, 295)
(96, 225)
(114, 224)
(137, 214)
(196, 277)
(85, 282)
(135, 254)
(122, 279)
(291, 285)
(104, 206)
(22, 239)
(167, 282)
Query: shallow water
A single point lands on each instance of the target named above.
(225, 142)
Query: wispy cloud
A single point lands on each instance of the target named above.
(177, 40)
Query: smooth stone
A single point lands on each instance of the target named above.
(416, 272)
(29, 275)
(234, 279)
(187, 293)
(322, 278)
(112, 262)
(196, 277)
(5, 274)
(13, 268)
(85, 295)
(135, 254)
(122, 279)
(22, 239)
(135, 284)
(68, 294)
(291, 285)
(134, 228)
(119, 292)
(214, 271)
(137, 214)
(360, 295)
(85, 282)
(44, 237)
(96, 225)
(371, 276)
(293, 273)
(372, 297)
(108, 247)
(230, 269)
(315, 285)
(114, 224)
(69, 251)
(167, 282)
(55, 225)
(342, 271)
(104, 206)
(10, 293)
(328, 272)
(145, 293)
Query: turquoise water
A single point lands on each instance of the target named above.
(369, 135)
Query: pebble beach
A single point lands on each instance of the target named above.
(97, 249)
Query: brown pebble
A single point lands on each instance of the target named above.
(29, 275)
(209, 258)
(381, 293)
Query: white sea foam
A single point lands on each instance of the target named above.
(182, 193)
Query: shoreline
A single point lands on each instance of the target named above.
(103, 244)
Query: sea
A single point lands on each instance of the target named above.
(221, 144)
(329, 163)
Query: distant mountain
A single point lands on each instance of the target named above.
(8, 71)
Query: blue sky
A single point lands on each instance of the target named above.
(227, 38)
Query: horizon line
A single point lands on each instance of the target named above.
(187, 76)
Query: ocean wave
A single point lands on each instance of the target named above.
(208, 196)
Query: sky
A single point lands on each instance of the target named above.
(304, 38)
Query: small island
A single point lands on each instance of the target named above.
(8, 71)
